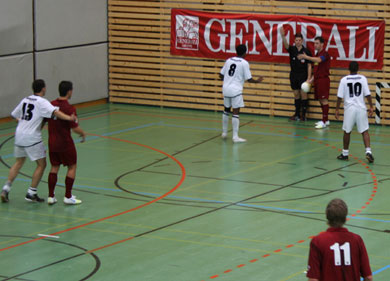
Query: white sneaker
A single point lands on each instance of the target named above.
(320, 125)
(238, 139)
(51, 200)
(224, 135)
(327, 123)
(72, 200)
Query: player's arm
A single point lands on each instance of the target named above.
(311, 279)
(221, 76)
(371, 109)
(312, 59)
(59, 114)
(80, 132)
(285, 43)
(258, 80)
(368, 278)
(309, 72)
(337, 111)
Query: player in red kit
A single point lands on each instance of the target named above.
(321, 78)
(61, 146)
(337, 254)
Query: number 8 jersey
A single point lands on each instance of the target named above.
(30, 112)
(353, 88)
(235, 71)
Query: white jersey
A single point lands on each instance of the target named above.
(353, 88)
(30, 112)
(235, 71)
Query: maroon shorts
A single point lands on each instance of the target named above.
(321, 88)
(66, 158)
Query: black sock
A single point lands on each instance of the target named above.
(305, 104)
(297, 107)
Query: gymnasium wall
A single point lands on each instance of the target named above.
(54, 40)
(142, 70)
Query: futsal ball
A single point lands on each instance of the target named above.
(306, 87)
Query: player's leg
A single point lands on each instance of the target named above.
(363, 126)
(37, 154)
(225, 117)
(69, 180)
(237, 103)
(52, 182)
(348, 123)
(297, 104)
(13, 172)
(304, 105)
(322, 87)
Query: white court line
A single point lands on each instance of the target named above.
(50, 236)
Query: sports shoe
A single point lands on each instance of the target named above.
(238, 139)
(369, 157)
(320, 125)
(294, 118)
(51, 200)
(342, 157)
(72, 200)
(33, 198)
(4, 196)
(327, 123)
(224, 135)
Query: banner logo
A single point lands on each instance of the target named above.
(187, 32)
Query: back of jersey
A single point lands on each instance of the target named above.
(353, 88)
(235, 71)
(31, 111)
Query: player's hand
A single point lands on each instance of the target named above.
(82, 138)
(371, 112)
(260, 79)
(73, 118)
(337, 114)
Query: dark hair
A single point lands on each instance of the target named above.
(64, 87)
(38, 85)
(336, 212)
(319, 38)
(353, 67)
(298, 35)
(241, 50)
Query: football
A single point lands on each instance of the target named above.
(306, 87)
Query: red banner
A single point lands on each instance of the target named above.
(216, 35)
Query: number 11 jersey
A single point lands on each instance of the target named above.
(338, 255)
(31, 111)
(235, 71)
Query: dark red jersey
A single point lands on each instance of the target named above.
(338, 254)
(321, 69)
(60, 138)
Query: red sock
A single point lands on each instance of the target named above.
(68, 187)
(52, 179)
(325, 111)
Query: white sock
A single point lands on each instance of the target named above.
(345, 152)
(368, 150)
(225, 122)
(32, 190)
(7, 186)
(235, 125)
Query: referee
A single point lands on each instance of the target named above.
(301, 71)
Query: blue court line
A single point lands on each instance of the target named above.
(380, 270)
(368, 219)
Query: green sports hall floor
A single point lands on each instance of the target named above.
(166, 199)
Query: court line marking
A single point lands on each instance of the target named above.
(183, 176)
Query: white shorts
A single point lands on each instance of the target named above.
(354, 115)
(35, 152)
(234, 102)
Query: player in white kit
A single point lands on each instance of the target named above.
(234, 73)
(30, 113)
(353, 88)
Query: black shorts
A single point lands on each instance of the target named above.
(296, 80)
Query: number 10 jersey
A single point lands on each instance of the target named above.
(31, 111)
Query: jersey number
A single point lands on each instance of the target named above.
(354, 89)
(232, 69)
(337, 253)
(27, 111)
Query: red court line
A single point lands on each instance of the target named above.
(183, 175)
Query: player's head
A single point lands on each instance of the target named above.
(353, 67)
(39, 86)
(65, 88)
(241, 50)
(336, 212)
(319, 43)
(298, 39)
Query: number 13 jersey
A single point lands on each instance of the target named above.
(235, 71)
(31, 111)
(353, 88)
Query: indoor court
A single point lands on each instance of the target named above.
(165, 198)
